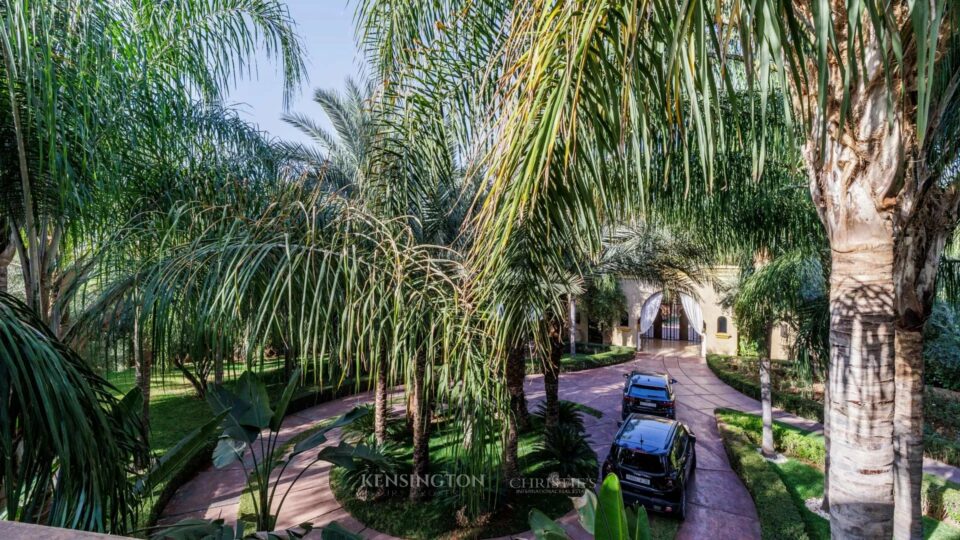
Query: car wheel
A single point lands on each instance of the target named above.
(682, 509)
(693, 463)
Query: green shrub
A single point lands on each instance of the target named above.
(779, 517)
(750, 386)
(788, 440)
(941, 348)
(566, 450)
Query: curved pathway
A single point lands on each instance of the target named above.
(720, 506)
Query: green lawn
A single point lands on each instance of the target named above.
(941, 408)
(802, 475)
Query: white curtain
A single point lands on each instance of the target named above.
(694, 315)
(649, 312)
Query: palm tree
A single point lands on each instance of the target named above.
(71, 87)
(874, 88)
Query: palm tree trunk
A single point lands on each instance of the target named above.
(380, 403)
(766, 407)
(551, 378)
(825, 506)
(516, 370)
(573, 325)
(908, 435)
(861, 391)
(6, 257)
(421, 430)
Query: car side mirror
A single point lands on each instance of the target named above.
(625, 375)
(673, 381)
(619, 423)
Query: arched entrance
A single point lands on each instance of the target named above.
(665, 317)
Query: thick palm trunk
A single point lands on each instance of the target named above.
(380, 403)
(908, 430)
(420, 407)
(861, 391)
(825, 506)
(572, 328)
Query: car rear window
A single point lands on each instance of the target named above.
(647, 392)
(640, 460)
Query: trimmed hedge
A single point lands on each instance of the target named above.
(940, 498)
(603, 355)
(800, 406)
(787, 439)
(779, 517)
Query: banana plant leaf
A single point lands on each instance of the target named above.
(174, 459)
(320, 436)
(544, 528)
(586, 506)
(611, 517)
(281, 407)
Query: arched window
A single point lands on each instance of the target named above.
(721, 325)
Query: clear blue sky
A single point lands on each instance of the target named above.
(326, 29)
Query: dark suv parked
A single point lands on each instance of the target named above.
(648, 393)
(654, 458)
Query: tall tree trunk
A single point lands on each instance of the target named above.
(551, 377)
(766, 404)
(516, 370)
(419, 490)
(6, 257)
(143, 364)
(380, 402)
(517, 417)
(825, 506)
(861, 390)
(572, 306)
(908, 435)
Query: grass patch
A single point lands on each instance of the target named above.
(941, 408)
(175, 411)
(779, 516)
(802, 476)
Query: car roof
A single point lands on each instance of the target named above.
(647, 433)
(649, 378)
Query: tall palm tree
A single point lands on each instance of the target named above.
(874, 88)
(79, 97)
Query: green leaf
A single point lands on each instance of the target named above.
(586, 506)
(221, 401)
(251, 390)
(228, 451)
(641, 529)
(281, 407)
(611, 521)
(320, 436)
(544, 528)
(335, 531)
(175, 458)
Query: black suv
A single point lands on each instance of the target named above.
(654, 458)
(648, 393)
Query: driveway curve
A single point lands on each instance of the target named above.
(720, 506)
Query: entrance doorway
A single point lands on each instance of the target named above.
(672, 323)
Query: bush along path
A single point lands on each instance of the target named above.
(720, 506)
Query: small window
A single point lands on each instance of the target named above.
(721, 325)
(625, 319)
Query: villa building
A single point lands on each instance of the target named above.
(654, 315)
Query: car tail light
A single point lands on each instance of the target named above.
(666, 405)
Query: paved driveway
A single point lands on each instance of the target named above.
(720, 507)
